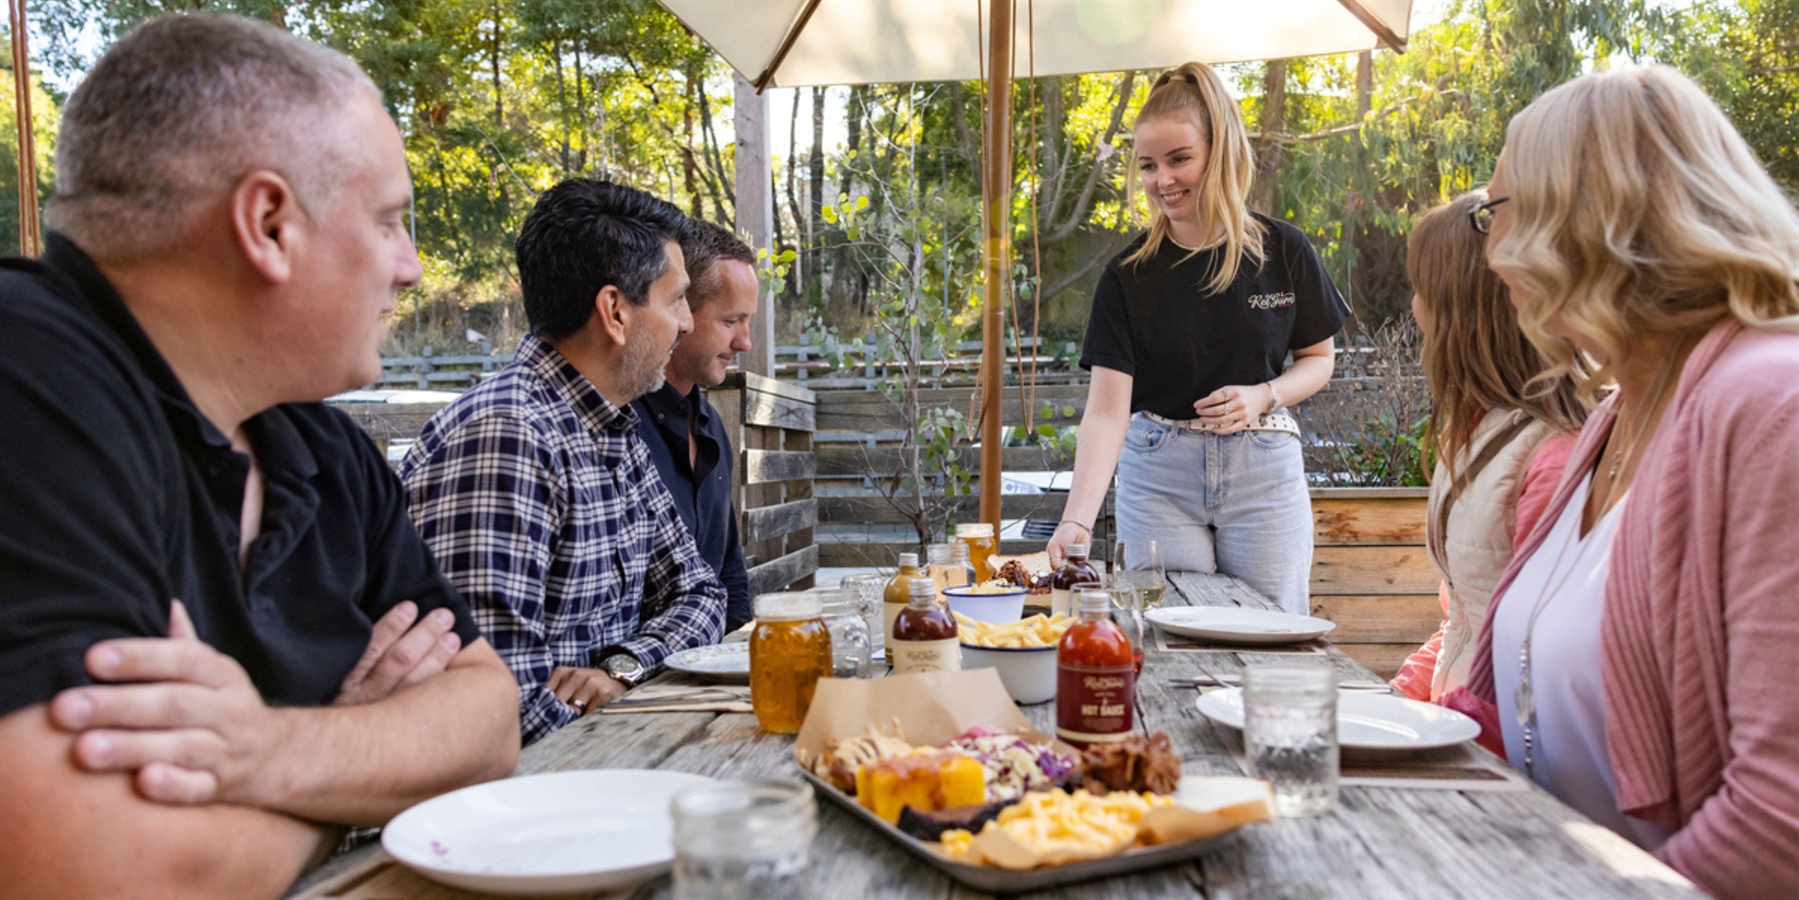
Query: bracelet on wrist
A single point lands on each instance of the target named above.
(1081, 525)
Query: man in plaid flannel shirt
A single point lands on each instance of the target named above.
(534, 491)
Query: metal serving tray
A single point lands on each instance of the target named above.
(1009, 881)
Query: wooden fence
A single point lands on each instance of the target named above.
(431, 370)
(771, 425)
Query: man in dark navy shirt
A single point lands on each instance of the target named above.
(683, 432)
(223, 639)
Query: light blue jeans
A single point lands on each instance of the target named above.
(1235, 504)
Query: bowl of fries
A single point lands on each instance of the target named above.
(987, 602)
(1023, 652)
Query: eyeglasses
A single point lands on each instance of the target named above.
(1481, 217)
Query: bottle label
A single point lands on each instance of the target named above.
(925, 656)
(1095, 704)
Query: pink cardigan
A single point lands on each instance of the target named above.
(1700, 641)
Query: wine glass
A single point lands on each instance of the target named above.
(1140, 564)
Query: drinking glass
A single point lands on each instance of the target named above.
(1290, 734)
(1125, 612)
(867, 589)
(1141, 563)
(742, 840)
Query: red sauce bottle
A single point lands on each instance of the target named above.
(1096, 677)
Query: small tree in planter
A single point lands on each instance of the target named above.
(914, 327)
(1370, 421)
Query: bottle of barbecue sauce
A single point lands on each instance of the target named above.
(924, 634)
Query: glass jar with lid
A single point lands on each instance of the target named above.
(851, 650)
(978, 537)
(790, 649)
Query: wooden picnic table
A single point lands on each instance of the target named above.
(1378, 842)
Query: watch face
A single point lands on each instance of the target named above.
(624, 668)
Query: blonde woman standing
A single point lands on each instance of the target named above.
(1188, 342)
(1500, 438)
(1641, 653)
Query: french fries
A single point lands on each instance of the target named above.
(1037, 631)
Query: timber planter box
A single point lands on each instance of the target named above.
(1371, 574)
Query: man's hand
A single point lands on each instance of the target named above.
(401, 654)
(191, 725)
(584, 689)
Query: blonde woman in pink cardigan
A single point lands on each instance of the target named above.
(1640, 655)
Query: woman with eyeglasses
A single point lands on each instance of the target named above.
(1188, 341)
(1640, 653)
(1500, 435)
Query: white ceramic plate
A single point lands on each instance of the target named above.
(1239, 626)
(1365, 721)
(718, 662)
(561, 832)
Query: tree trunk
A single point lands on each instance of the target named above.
(816, 224)
(796, 283)
(690, 176)
(1274, 124)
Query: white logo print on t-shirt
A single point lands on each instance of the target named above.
(1271, 301)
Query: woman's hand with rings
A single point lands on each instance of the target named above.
(1234, 407)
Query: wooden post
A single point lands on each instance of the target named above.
(996, 247)
(755, 212)
(30, 238)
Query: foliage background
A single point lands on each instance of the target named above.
(498, 99)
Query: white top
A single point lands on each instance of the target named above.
(1569, 756)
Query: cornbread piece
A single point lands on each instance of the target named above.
(929, 781)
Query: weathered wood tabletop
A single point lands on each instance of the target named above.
(1378, 842)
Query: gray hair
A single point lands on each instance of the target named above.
(181, 109)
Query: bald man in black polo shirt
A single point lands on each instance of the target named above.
(223, 639)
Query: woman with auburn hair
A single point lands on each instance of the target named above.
(1500, 440)
(1188, 342)
(1640, 648)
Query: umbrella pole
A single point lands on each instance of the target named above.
(30, 240)
(996, 246)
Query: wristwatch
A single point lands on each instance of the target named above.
(624, 668)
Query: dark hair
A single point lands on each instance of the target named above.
(583, 235)
(705, 247)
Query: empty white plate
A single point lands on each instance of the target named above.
(1237, 625)
(555, 833)
(718, 662)
(1367, 721)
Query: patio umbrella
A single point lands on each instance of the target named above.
(788, 43)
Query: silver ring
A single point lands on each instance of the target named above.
(579, 704)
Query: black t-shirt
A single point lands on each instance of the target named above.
(117, 496)
(1155, 321)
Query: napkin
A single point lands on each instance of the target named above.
(682, 698)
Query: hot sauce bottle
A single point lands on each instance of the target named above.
(924, 634)
(1075, 571)
(1096, 677)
